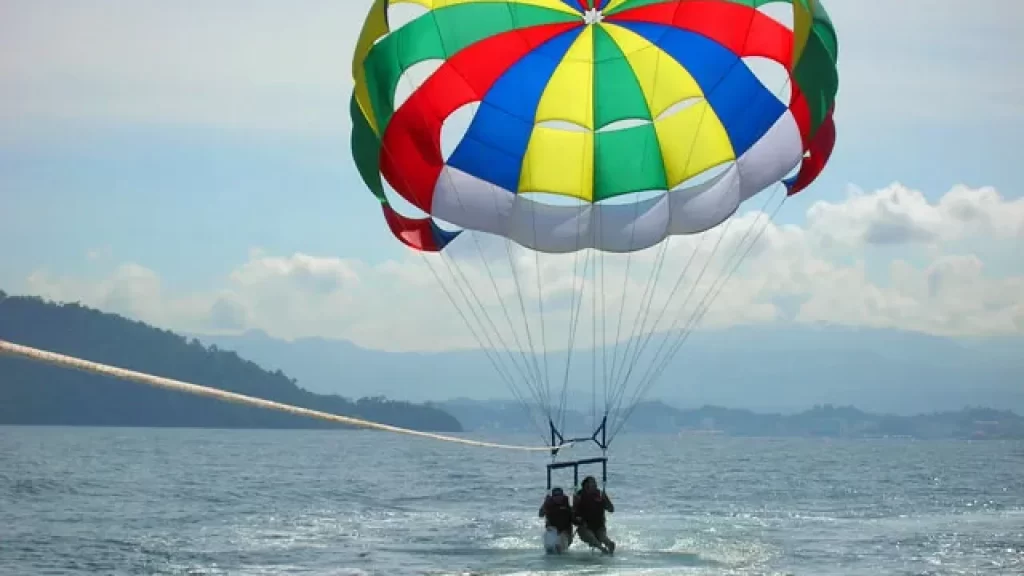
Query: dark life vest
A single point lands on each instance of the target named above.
(558, 512)
(590, 509)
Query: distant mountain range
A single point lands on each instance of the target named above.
(767, 376)
(820, 421)
(763, 368)
(37, 394)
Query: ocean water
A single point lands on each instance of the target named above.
(82, 501)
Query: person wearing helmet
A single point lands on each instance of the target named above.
(557, 512)
(589, 507)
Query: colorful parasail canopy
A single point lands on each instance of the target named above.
(589, 101)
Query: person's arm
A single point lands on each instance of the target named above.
(577, 519)
(608, 503)
(543, 507)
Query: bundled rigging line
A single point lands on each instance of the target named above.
(625, 380)
(71, 362)
(622, 382)
(661, 362)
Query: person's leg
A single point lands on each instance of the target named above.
(586, 535)
(552, 541)
(564, 540)
(602, 536)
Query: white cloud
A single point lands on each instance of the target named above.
(132, 290)
(97, 254)
(825, 272)
(898, 215)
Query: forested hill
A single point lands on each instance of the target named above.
(32, 393)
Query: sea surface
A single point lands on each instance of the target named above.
(91, 501)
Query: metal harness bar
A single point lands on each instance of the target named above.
(557, 441)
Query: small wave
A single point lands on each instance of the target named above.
(38, 487)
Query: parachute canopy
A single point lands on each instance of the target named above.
(589, 100)
(587, 126)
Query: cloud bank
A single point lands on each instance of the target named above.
(884, 259)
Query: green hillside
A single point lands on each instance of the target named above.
(36, 394)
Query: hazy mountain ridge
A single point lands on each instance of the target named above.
(819, 421)
(761, 368)
(36, 394)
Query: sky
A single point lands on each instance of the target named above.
(187, 164)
